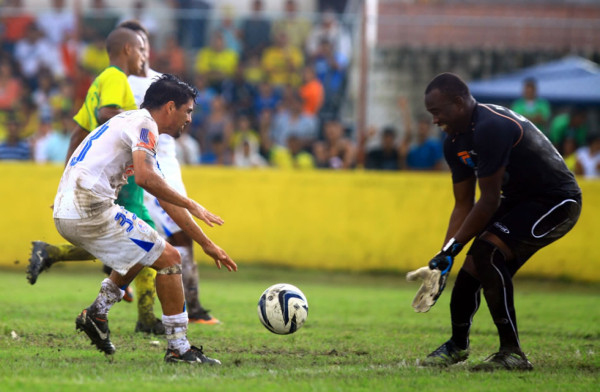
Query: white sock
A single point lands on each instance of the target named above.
(109, 295)
(176, 332)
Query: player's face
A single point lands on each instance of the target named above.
(446, 112)
(138, 57)
(180, 118)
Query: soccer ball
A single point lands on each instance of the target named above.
(282, 308)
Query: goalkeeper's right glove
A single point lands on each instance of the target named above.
(434, 276)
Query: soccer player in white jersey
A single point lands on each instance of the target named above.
(85, 214)
(170, 167)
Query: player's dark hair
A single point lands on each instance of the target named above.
(449, 84)
(168, 88)
(134, 25)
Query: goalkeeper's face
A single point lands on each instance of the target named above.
(447, 112)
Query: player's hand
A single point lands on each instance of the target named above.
(424, 299)
(220, 256)
(434, 280)
(205, 215)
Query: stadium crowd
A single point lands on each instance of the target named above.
(270, 90)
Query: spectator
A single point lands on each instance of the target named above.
(45, 91)
(427, 152)
(56, 145)
(191, 20)
(231, 33)
(255, 32)
(588, 158)
(171, 58)
(253, 72)
(246, 155)
(569, 124)
(312, 92)
(34, 52)
(14, 148)
(568, 152)
(27, 117)
(216, 134)
(283, 61)
(16, 21)
(265, 124)
(535, 109)
(337, 151)
(39, 140)
(142, 14)
(294, 27)
(267, 98)
(98, 21)
(203, 106)
(291, 120)
(57, 22)
(239, 94)
(243, 131)
(292, 157)
(187, 149)
(94, 58)
(386, 156)
(331, 31)
(63, 100)
(331, 70)
(11, 87)
(216, 62)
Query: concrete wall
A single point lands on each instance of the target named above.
(330, 220)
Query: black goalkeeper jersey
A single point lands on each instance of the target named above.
(500, 137)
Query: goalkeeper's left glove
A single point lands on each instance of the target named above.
(434, 280)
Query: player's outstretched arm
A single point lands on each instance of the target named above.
(184, 220)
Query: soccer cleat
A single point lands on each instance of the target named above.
(38, 261)
(96, 329)
(203, 317)
(157, 328)
(504, 360)
(193, 355)
(445, 355)
(128, 297)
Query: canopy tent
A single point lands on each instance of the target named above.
(571, 80)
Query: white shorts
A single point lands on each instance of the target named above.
(164, 224)
(116, 236)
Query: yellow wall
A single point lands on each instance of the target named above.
(357, 220)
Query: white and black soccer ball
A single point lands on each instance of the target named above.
(282, 308)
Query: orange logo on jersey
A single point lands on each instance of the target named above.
(465, 157)
(148, 140)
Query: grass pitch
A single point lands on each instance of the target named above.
(361, 335)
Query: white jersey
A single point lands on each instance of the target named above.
(99, 167)
(166, 151)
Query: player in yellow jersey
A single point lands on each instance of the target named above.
(108, 96)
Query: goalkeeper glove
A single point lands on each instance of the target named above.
(434, 276)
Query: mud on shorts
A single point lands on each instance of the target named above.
(115, 236)
(527, 226)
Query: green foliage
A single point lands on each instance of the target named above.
(361, 335)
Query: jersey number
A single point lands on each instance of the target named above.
(88, 145)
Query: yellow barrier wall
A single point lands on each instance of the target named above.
(331, 220)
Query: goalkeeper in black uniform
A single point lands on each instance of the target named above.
(528, 199)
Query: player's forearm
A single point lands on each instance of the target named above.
(184, 220)
(476, 220)
(157, 187)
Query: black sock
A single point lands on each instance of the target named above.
(498, 291)
(466, 297)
